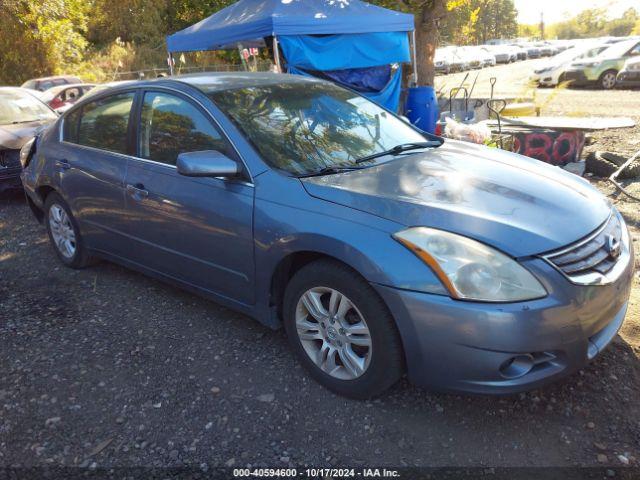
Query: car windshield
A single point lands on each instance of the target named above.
(617, 49)
(20, 107)
(304, 127)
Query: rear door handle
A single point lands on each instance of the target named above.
(62, 165)
(137, 191)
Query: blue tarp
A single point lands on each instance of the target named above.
(337, 52)
(256, 19)
(358, 61)
(388, 96)
(370, 79)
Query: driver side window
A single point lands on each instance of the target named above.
(171, 125)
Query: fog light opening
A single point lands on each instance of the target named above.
(517, 366)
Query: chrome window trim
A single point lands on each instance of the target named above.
(142, 89)
(596, 278)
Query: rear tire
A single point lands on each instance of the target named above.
(347, 317)
(607, 80)
(64, 233)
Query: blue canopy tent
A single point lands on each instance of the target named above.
(348, 41)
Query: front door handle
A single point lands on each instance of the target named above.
(62, 165)
(137, 191)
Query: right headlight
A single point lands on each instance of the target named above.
(632, 67)
(26, 152)
(471, 270)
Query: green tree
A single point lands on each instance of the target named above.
(41, 37)
(594, 23)
(456, 21)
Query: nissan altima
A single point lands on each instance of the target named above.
(382, 250)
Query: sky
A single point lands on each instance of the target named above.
(556, 10)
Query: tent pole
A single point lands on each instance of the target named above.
(276, 54)
(171, 64)
(415, 57)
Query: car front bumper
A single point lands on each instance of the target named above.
(474, 347)
(546, 79)
(10, 178)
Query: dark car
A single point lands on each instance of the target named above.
(377, 246)
(45, 83)
(22, 116)
(629, 76)
(533, 51)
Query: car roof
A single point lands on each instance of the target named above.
(66, 86)
(220, 81)
(53, 77)
(26, 91)
(205, 82)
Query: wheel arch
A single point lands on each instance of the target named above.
(37, 205)
(615, 72)
(287, 267)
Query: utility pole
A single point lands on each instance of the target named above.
(541, 25)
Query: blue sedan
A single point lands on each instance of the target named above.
(381, 249)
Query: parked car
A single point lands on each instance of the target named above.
(488, 58)
(376, 245)
(603, 69)
(441, 61)
(452, 58)
(533, 51)
(61, 98)
(22, 116)
(471, 57)
(551, 73)
(629, 76)
(45, 83)
(504, 54)
(521, 52)
(546, 49)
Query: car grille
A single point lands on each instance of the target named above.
(10, 158)
(598, 254)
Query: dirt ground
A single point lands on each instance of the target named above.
(104, 367)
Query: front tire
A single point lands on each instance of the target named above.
(341, 330)
(607, 80)
(64, 233)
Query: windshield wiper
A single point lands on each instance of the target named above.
(404, 147)
(329, 171)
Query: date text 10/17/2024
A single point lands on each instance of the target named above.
(316, 473)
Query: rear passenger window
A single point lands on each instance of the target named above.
(171, 126)
(70, 127)
(105, 122)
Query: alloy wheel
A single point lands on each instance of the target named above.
(333, 333)
(609, 80)
(64, 237)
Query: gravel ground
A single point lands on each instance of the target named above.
(105, 367)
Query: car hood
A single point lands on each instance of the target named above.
(631, 61)
(13, 137)
(516, 204)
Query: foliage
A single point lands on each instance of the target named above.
(595, 23)
(477, 21)
(41, 37)
(529, 30)
(98, 38)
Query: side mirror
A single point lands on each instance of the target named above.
(208, 163)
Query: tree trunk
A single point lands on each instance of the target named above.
(427, 36)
